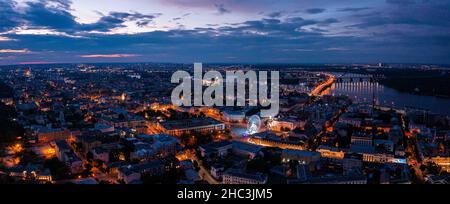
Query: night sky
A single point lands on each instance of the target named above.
(252, 31)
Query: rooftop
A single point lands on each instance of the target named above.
(239, 173)
(246, 146)
(189, 123)
(137, 168)
(300, 152)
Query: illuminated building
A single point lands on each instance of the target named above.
(330, 152)
(442, 161)
(129, 122)
(281, 125)
(163, 144)
(361, 142)
(65, 154)
(236, 176)
(305, 157)
(187, 126)
(338, 179)
(382, 158)
(270, 139)
(45, 134)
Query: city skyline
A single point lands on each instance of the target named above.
(78, 31)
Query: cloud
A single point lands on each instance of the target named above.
(352, 9)
(116, 20)
(401, 2)
(236, 6)
(55, 14)
(275, 14)
(315, 10)
(336, 49)
(426, 14)
(181, 17)
(388, 33)
(35, 62)
(328, 21)
(9, 18)
(3, 39)
(109, 56)
(221, 9)
(14, 51)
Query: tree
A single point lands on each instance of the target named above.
(28, 156)
(257, 164)
(58, 169)
(89, 156)
(9, 130)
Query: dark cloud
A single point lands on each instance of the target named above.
(115, 20)
(42, 14)
(426, 13)
(419, 32)
(9, 18)
(39, 15)
(315, 10)
(275, 14)
(328, 21)
(352, 9)
(221, 9)
(181, 17)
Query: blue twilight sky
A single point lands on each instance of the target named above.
(278, 31)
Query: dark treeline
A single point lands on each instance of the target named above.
(435, 86)
(417, 81)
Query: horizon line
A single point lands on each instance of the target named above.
(235, 63)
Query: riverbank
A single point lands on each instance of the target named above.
(424, 82)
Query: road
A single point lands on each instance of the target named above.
(318, 89)
(204, 173)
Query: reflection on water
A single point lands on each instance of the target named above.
(362, 91)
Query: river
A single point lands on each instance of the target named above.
(363, 91)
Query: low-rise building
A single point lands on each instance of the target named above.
(306, 157)
(73, 162)
(101, 153)
(65, 154)
(330, 152)
(47, 134)
(220, 149)
(237, 176)
(352, 163)
(186, 126)
(132, 173)
(246, 149)
(217, 171)
(163, 144)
